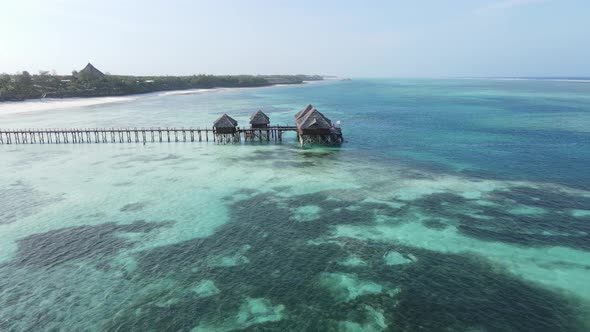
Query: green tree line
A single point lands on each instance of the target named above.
(23, 85)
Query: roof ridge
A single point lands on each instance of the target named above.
(225, 121)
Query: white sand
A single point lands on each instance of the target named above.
(55, 103)
(47, 104)
(186, 92)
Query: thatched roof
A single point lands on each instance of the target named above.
(304, 111)
(313, 119)
(225, 121)
(259, 118)
(90, 71)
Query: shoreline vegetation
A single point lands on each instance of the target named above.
(90, 82)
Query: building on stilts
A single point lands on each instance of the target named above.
(315, 128)
(226, 130)
(312, 127)
(259, 127)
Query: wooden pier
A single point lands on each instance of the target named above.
(312, 127)
(136, 135)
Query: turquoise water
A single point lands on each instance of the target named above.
(454, 205)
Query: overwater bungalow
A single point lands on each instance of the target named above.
(312, 122)
(225, 124)
(313, 127)
(226, 130)
(259, 120)
(304, 111)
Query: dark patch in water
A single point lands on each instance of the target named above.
(296, 164)
(143, 172)
(544, 198)
(246, 191)
(143, 159)
(281, 188)
(93, 215)
(579, 241)
(381, 209)
(434, 224)
(133, 207)
(437, 292)
(439, 202)
(319, 154)
(68, 244)
(154, 158)
(36, 157)
(169, 157)
(456, 293)
(554, 227)
(122, 166)
(264, 154)
(415, 174)
(20, 201)
(123, 184)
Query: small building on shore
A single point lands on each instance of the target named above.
(259, 120)
(90, 72)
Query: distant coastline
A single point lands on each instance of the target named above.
(48, 104)
(91, 82)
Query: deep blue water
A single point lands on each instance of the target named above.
(529, 130)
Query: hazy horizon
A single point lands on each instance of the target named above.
(481, 38)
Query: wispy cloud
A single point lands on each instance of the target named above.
(505, 5)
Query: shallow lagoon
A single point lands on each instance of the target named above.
(457, 205)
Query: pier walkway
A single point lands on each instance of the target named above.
(134, 135)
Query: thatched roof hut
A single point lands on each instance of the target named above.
(314, 118)
(315, 128)
(259, 120)
(225, 124)
(90, 72)
(311, 121)
(304, 111)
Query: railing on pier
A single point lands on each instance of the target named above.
(133, 135)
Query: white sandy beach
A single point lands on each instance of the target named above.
(34, 105)
(182, 92)
(57, 103)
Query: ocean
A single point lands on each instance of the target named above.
(453, 205)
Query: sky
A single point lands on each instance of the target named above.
(390, 38)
